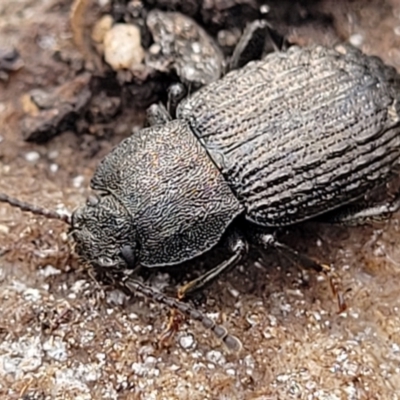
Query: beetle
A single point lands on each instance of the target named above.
(280, 141)
(300, 135)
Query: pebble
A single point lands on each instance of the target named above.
(357, 39)
(32, 295)
(78, 181)
(116, 297)
(32, 156)
(228, 38)
(53, 154)
(4, 229)
(265, 9)
(53, 168)
(187, 341)
(55, 348)
(216, 357)
(101, 27)
(49, 270)
(234, 293)
(122, 48)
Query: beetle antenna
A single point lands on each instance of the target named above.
(4, 198)
(231, 342)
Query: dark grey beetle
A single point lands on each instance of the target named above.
(299, 135)
(281, 141)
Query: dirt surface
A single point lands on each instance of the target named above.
(65, 336)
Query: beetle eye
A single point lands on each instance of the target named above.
(92, 200)
(128, 255)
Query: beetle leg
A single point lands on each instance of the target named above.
(269, 241)
(258, 39)
(157, 114)
(238, 247)
(360, 214)
(176, 92)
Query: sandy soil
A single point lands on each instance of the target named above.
(65, 336)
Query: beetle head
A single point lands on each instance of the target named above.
(104, 234)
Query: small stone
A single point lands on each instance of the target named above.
(92, 376)
(32, 295)
(253, 319)
(49, 270)
(4, 229)
(228, 38)
(116, 297)
(32, 156)
(56, 349)
(53, 168)
(78, 286)
(357, 39)
(215, 357)
(122, 48)
(267, 333)
(78, 181)
(21, 357)
(155, 49)
(282, 378)
(234, 293)
(53, 154)
(150, 361)
(10, 59)
(186, 342)
(101, 27)
(249, 361)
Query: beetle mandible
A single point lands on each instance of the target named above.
(299, 135)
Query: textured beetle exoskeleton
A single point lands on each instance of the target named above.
(174, 202)
(300, 133)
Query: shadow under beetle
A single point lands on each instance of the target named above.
(300, 135)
